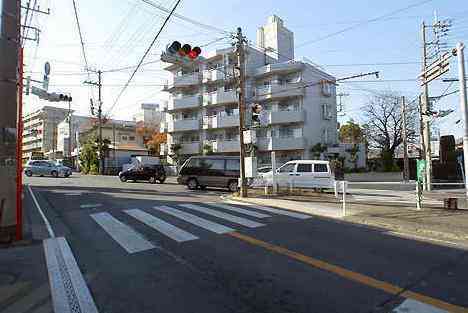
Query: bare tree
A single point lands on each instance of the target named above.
(383, 124)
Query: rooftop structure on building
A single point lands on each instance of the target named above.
(299, 98)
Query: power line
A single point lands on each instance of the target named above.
(362, 23)
(144, 56)
(81, 35)
(186, 19)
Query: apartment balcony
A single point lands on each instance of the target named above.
(280, 117)
(215, 75)
(183, 125)
(186, 148)
(278, 68)
(224, 146)
(281, 143)
(176, 103)
(220, 97)
(220, 121)
(182, 81)
(163, 127)
(163, 149)
(277, 91)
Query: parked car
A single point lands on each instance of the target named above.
(263, 170)
(210, 171)
(150, 173)
(303, 174)
(46, 168)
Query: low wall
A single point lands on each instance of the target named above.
(375, 177)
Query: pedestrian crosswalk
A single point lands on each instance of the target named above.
(157, 217)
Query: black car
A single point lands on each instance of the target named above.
(151, 173)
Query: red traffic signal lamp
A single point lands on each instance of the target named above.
(176, 53)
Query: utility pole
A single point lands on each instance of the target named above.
(425, 108)
(463, 104)
(405, 140)
(69, 129)
(240, 40)
(99, 116)
(421, 131)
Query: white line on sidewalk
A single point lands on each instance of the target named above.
(228, 217)
(161, 226)
(193, 219)
(44, 218)
(67, 285)
(123, 234)
(239, 210)
(413, 306)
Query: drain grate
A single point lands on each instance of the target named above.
(67, 282)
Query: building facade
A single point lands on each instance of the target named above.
(40, 131)
(76, 124)
(298, 100)
(149, 114)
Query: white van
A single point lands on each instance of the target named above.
(304, 174)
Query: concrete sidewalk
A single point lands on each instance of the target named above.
(439, 225)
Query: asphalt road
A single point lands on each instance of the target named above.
(162, 248)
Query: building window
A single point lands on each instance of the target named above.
(326, 112)
(124, 137)
(131, 138)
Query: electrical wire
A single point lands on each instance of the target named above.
(186, 19)
(81, 36)
(144, 56)
(362, 23)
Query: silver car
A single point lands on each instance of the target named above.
(46, 168)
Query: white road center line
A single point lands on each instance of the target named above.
(193, 219)
(282, 212)
(125, 236)
(161, 226)
(413, 306)
(228, 217)
(239, 210)
(67, 285)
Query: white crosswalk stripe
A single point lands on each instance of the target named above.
(281, 212)
(229, 217)
(124, 235)
(193, 219)
(161, 226)
(239, 210)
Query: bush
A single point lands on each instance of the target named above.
(94, 169)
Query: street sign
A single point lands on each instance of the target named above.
(47, 68)
(436, 69)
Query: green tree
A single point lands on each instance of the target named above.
(207, 149)
(351, 133)
(318, 149)
(353, 155)
(176, 155)
(89, 157)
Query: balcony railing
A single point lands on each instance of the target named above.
(183, 81)
(186, 102)
(224, 146)
(220, 121)
(279, 68)
(279, 117)
(281, 143)
(183, 125)
(279, 91)
(220, 97)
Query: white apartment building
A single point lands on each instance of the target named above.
(40, 130)
(202, 111)
(78, 124)
(149, 114)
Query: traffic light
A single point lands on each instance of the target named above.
(65, 98)
(256, 110)
(178, 53)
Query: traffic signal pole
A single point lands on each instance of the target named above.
(464, 108)
(240, 40)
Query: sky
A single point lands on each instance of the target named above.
(341, 37)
